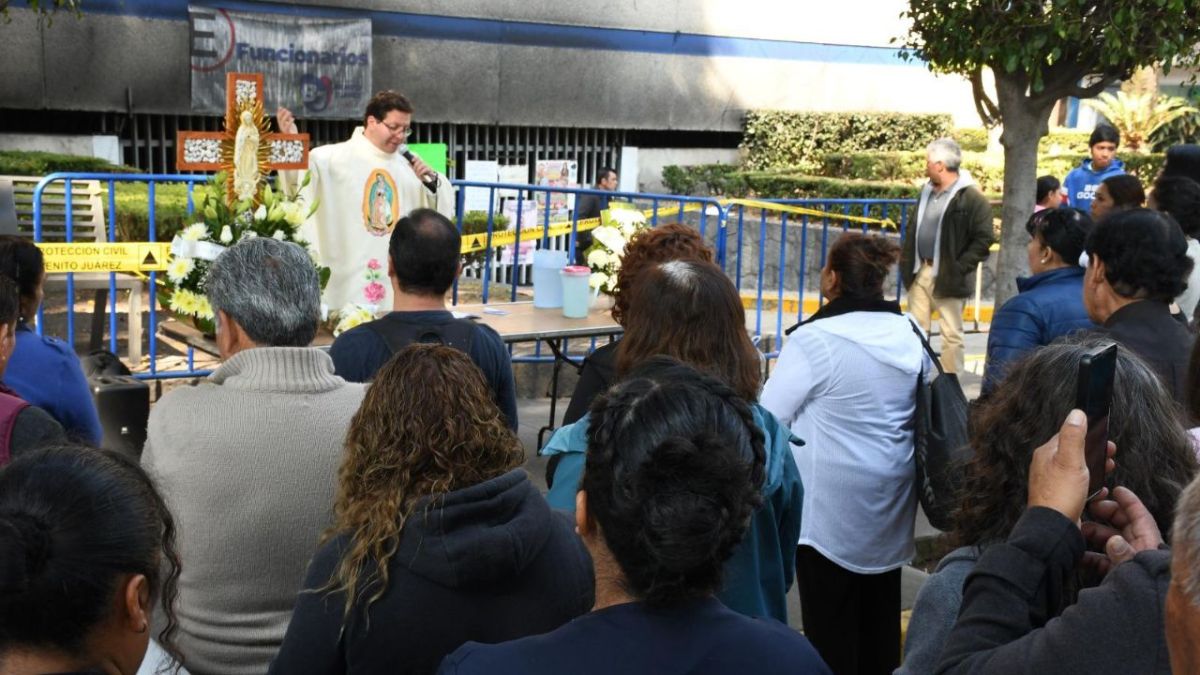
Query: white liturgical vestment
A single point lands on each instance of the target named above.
(363, 192)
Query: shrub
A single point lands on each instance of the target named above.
(133, 211)
(776, 139)
(23, 163)
(986, 169)
(971, 139)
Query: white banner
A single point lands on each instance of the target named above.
(316, 67)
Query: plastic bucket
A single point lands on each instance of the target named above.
(576, 296)
(547, 287)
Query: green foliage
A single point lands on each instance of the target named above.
(45, 8)
(1057, 142)
(987, 170)
(133, 211)
(475, 222)
(791, 183)
(1138, 116)
(971, 139)
(31, 163)
(1186, 129)
(775, 139)
(1052, 45)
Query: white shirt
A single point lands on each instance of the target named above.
(846, 385)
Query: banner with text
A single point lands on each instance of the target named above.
(316, 67)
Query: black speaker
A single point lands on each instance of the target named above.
(123, 403)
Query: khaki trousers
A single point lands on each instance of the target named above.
(922, 302)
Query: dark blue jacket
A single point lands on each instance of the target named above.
(47, 373)
(1049, 305)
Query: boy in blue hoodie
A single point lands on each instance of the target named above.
(1083, 181)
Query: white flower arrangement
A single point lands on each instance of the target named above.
(275, 214)
(608, 245)
(350, 316)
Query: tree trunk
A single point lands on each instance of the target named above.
(1024, 125)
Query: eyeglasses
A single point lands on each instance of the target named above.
(396, 129)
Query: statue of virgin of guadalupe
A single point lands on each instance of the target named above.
(245, 158)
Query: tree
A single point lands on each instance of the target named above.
(46, 9)
(1040, 51)
(1138, 116)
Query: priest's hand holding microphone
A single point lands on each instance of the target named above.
(426, 174)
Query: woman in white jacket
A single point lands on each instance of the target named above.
(846, 383)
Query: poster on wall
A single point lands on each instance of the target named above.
(529, 218)
(480, 171)
(314, 66)
(560, 173)
(513, 174)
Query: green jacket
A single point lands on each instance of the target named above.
(965, 239)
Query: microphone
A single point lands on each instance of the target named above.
(430, 181)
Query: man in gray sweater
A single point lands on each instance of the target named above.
(247, 460)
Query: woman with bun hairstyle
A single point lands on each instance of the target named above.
(1049, 303)
(689, 310)
(674, 471)
(87, 553)
(846, 383)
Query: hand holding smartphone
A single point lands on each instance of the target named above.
(1097, 370)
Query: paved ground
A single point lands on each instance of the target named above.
(534, 414)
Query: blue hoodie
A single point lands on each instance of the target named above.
(761, 569)
(1081, 184)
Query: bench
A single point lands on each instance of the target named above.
(87, 224)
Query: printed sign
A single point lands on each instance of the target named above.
(314, 66)
(122, 257)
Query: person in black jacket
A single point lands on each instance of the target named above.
(675, 465)
(439, 537)
(1137, 265)
(590, 206)
(1007, 623)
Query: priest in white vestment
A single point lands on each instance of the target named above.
(364, 186)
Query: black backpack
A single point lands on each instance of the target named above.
(398, 334)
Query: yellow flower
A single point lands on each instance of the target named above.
(184, 302)
(203, 309)
(195, 232)
(350, 316)
(179, 269)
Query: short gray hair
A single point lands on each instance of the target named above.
(1185, 539)
(946, 151)
(270, 288)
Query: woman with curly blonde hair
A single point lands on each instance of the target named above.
(438, 538)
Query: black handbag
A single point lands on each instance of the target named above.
(940, 443)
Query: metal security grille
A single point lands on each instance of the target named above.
(148, 140)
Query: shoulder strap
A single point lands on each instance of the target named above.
(11, 405)
(457, 333)
(928, 348)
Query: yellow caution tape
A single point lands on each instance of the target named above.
(800, 210)
(61, 258)
(479, 241)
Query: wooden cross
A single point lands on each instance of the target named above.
(204, 151)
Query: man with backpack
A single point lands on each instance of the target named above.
(423, 262)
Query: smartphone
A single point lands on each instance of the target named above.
(1094, 398)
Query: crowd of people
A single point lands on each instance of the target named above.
(365, 509)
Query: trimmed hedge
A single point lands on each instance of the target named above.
(730, 181)
(1057, 142)
(133, 211)
(778, 139)
(986, 169)
(24, 163)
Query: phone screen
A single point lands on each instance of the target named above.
(1096, 373)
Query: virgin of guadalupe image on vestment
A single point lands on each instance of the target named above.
(380, 207)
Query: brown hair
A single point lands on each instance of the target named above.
(689, 310)
(384, 102)
(673, 241)
(862, 264)
(427, 426)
